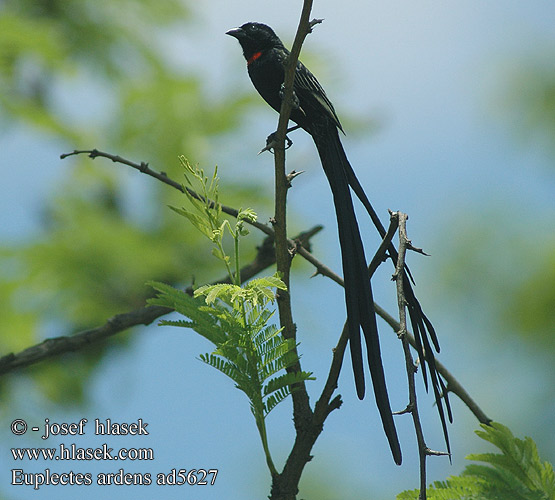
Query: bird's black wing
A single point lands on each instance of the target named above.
(307, 85)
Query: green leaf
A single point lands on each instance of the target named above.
(515, 474)
(268, 282)
(274, 400)
(285, 380)
(197, 221)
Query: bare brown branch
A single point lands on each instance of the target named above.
(285, 485)
(410, 367)
(161, 176)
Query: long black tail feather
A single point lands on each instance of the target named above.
(421, 325)
(358, 292)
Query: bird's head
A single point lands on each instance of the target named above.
(255, 37)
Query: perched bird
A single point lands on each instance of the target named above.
(266, 58)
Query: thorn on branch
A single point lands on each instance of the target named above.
(290, 176)
(416, 249)
(409, 408)
(313, 23)
(335, 403)
(434, 453)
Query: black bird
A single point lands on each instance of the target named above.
(266, 57)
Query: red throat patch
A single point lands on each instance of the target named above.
(253, 58)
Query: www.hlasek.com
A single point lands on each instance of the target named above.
(175, 477)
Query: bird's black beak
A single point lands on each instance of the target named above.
(236, 33)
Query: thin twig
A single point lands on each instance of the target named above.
(381, 254)
(409, 363)
(162, 176)
(64, 344)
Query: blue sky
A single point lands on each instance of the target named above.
(434, 76)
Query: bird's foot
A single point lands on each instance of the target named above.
(271, 143)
